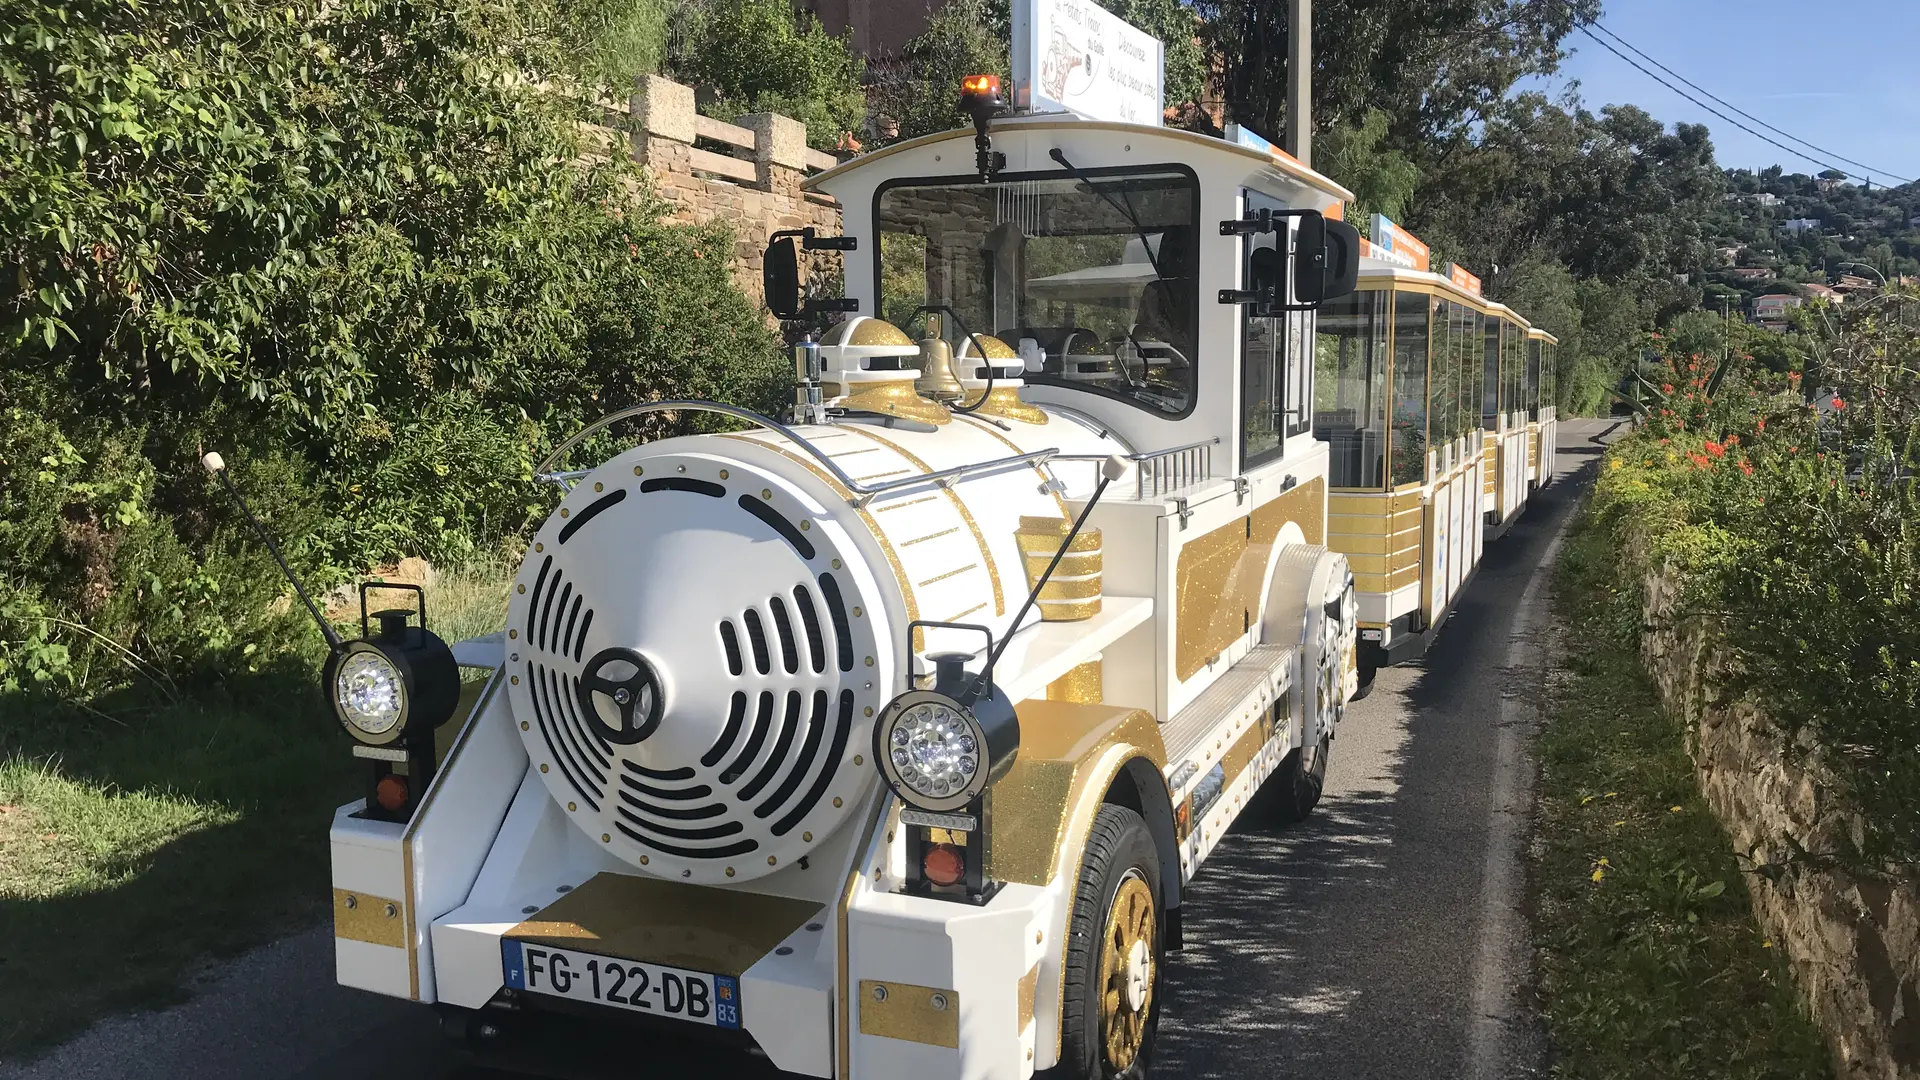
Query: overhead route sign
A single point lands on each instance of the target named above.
(1075, 56)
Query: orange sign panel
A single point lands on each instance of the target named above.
(1463, 279)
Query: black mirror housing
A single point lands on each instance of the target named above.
(780, 277)
(1343, 260)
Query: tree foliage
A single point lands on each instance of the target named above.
(760, 56)
(357, 248)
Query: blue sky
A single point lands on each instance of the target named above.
(1842, 73)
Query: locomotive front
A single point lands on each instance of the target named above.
(697, 646)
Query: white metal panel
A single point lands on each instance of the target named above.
(788, 1000)
(453, 829)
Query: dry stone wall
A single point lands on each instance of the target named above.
(1853, 941)
(747, 174)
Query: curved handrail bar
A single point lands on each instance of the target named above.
(864, 493)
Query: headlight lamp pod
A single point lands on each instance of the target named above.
(368, 687)
(938, 753)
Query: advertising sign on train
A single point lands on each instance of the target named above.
(1073, 56)
(1462, 278)
(1398, 245)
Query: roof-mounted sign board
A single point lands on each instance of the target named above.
(1393, 244)
(1074, 56)
(1460, 277)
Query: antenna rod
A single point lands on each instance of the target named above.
(1110, 470)
(217, 465)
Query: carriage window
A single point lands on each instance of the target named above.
(1533, 378)
(1408, 458)
(1512, 372)
(1350, 388)
(1490, 378)
(1443, 387)
(1095, 284)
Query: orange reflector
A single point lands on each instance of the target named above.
(944, 864)
(980, 84)
(391, 792)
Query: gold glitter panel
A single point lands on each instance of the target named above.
(1220, 576)
(1083, 685)
(922, 1014)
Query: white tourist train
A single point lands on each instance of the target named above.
(885, 736)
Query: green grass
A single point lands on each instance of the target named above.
(1651, 962)
(142, 839)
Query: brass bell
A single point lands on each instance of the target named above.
(936, 379)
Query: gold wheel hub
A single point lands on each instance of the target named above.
(1126, 971)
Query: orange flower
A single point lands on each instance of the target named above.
(1716, 449)
(1666, 388)
(1746, 467)
(1838, 404)
(1793, 376)
(1760, 424)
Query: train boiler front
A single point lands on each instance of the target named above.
(701, 635)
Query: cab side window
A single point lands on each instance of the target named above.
(1276, 351)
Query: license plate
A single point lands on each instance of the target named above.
(654, 989)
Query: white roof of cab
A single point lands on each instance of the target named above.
(1185, 144)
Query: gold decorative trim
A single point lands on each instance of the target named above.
(896, 397)
(1005, 401)
(676, 923)
(1034, 804)
(1073, 564)
(966, 518)
(1069, 610)
(922, 1014)
(1029, 985)
(1061, 587)
(950, 573)
(1084, 685)
(375, 920)
(1220, 576)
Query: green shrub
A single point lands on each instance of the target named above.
(352, 246)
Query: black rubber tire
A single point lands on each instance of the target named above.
(1292, 792)
(1366, 683)
(1118, 843)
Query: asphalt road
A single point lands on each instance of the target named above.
(1385, 938)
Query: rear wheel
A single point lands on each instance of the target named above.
(1366, 683)
(1114, 954)
(1294, 790)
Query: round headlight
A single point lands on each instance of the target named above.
(932, 751)
(370, 694)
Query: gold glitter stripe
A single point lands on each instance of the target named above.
(966, 516)
(901, 505)
(930, 536)
(964, 614)
(950, 573)
(882, 475)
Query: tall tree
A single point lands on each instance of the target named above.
(1435, 66)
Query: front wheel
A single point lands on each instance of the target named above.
(1114, 954)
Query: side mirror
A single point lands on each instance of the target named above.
(1343, 260)
(1326, 262)
(780, 277)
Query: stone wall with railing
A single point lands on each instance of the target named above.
(747, 173)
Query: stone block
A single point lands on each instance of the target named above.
(663, 108)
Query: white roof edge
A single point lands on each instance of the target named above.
(1284, 163)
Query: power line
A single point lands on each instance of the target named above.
(1764, 138)
(1630, 47)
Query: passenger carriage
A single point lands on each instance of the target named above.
(1430, 398)
(887, 735)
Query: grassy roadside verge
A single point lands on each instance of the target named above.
(141, 840)
(1651, 963)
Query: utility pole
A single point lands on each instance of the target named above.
(1299, 140)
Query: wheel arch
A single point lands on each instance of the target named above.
(1140, 787)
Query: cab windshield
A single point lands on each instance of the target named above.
(1092, 281)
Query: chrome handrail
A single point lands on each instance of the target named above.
(863, 493)
(1171, 469)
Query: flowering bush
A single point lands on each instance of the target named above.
(1794, 525)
